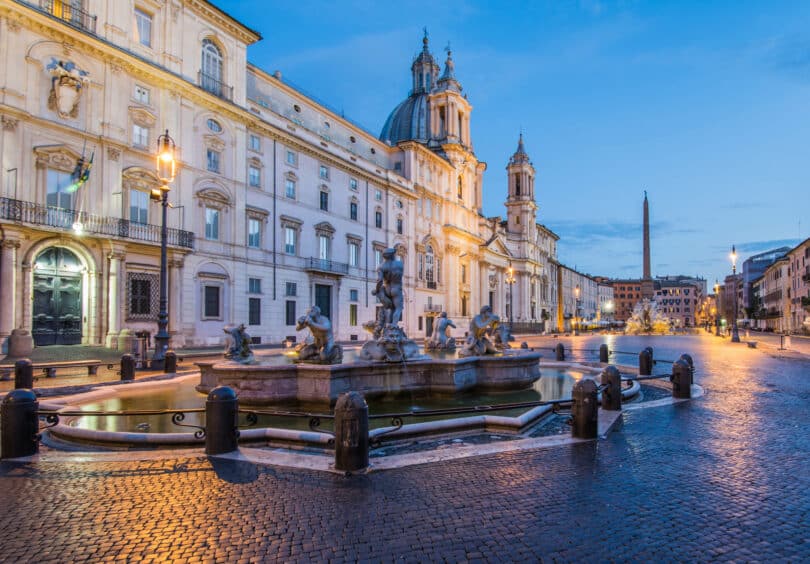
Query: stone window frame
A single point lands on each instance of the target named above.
(143, 118)
(207, 280)
(290, 176)
(260, 215)
(356, 201)
(251, 136)
(295, 160)
(288, 222)
(215, 199)
(139, 179)
(352, 239)
(379, 210)
(377, 246)
(143, 273)
(324, 172)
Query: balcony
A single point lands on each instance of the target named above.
(433, 308)
(65, 11)
(806, 277)
(29, 213)
(431, 285)
(215, 86)
(328, 266)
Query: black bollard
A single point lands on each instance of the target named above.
(585, 410)
(691, 363)
(645, 362)
(170, 362)
(351, 433)
(19, 424)
(559, 351)
(23, 374)
(127, 368)
(612, 395)
(681, 380)
(221, 421)
(603, 353)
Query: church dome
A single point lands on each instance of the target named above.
(408, 121)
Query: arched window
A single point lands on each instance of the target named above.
(429, 264)
(211, 69)
(517, 185)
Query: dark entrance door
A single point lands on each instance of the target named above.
(428, 326)
(323, 299)
(57, 312)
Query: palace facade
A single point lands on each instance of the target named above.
(279, 203)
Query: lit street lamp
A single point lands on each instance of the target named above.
(735, 336)
(510, 281)
(166, 172)
(576, 310)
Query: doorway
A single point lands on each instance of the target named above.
(323, 299)
(428, 326)
(57, 296)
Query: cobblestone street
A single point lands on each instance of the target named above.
(723, 477)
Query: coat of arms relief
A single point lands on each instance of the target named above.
(66, 88)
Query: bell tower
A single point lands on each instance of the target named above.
(449, 109)
(521, 208)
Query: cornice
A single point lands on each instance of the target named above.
(221, 19)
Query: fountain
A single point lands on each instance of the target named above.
(646, 319)
(389, 363)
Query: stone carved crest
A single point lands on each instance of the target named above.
(66, 88)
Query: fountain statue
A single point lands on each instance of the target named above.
(481, 327)
(502, 336)
(321, 349)
(440, 340)
(237, 347)
(390, 344)
(646, 319)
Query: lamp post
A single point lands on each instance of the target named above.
(716, 308)
(735, 336)
(165, 171)
(576, 310)
(510, 281)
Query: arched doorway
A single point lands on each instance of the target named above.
(57, 296)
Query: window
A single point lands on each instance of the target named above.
(138, 206)
(378, 219)
(353, 314)
(213, 160)
(399, 204)
(353, 184)
(140, 136)
(254, 143)
(143, 28)
(378, 195)
(399, 225)
(255, 285)
(254, 176)
(254, 233)
(60, 189)
(354, 254)
(254, 311)
(290, 289)
(430, 261)
(324, 200)
(212, 224)
(289, 190)
(213, 125)
(323, 247)
(211, 305)
(290, 312)
(460, 191)
(140, 292)
(292, 158)
(211, 69)
(377, 258)
(141, 94)
(323, 172)
(464, 276)
(290, 240)
(353, 211)
(353, 295)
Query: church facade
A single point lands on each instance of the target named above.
(279, 203)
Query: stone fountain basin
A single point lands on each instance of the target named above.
(260, 384)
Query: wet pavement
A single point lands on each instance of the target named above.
(723, 477)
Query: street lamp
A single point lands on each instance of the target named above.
(716, 308)
(576, 310)
(166, 172)
(510, 281)
(735, 336)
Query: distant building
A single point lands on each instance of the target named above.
(754, 267)
(679, 298)
(771, 290)
(798, 292)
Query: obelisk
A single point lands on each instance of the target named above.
(647, 285)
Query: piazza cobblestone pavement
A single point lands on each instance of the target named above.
(723, 477)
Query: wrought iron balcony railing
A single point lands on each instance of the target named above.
(71, 220)
(325, 265)
(433, 308)
(66, 11)
(215, 86)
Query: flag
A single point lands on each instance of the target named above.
(81, 173)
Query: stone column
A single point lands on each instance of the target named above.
(452, 305)
(114, 305)
(175, 300)
(8, 283)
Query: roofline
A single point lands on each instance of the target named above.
(257, 36)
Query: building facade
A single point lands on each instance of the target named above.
(279, 203)
(679, 298)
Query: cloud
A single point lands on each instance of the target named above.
(746, 206)
(590, 232)
(789, 55)
(760, 246)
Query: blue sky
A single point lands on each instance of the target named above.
(706, 105)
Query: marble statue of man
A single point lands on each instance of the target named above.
(389, 287)
(321, 329)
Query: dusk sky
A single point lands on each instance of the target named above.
(706, 105)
